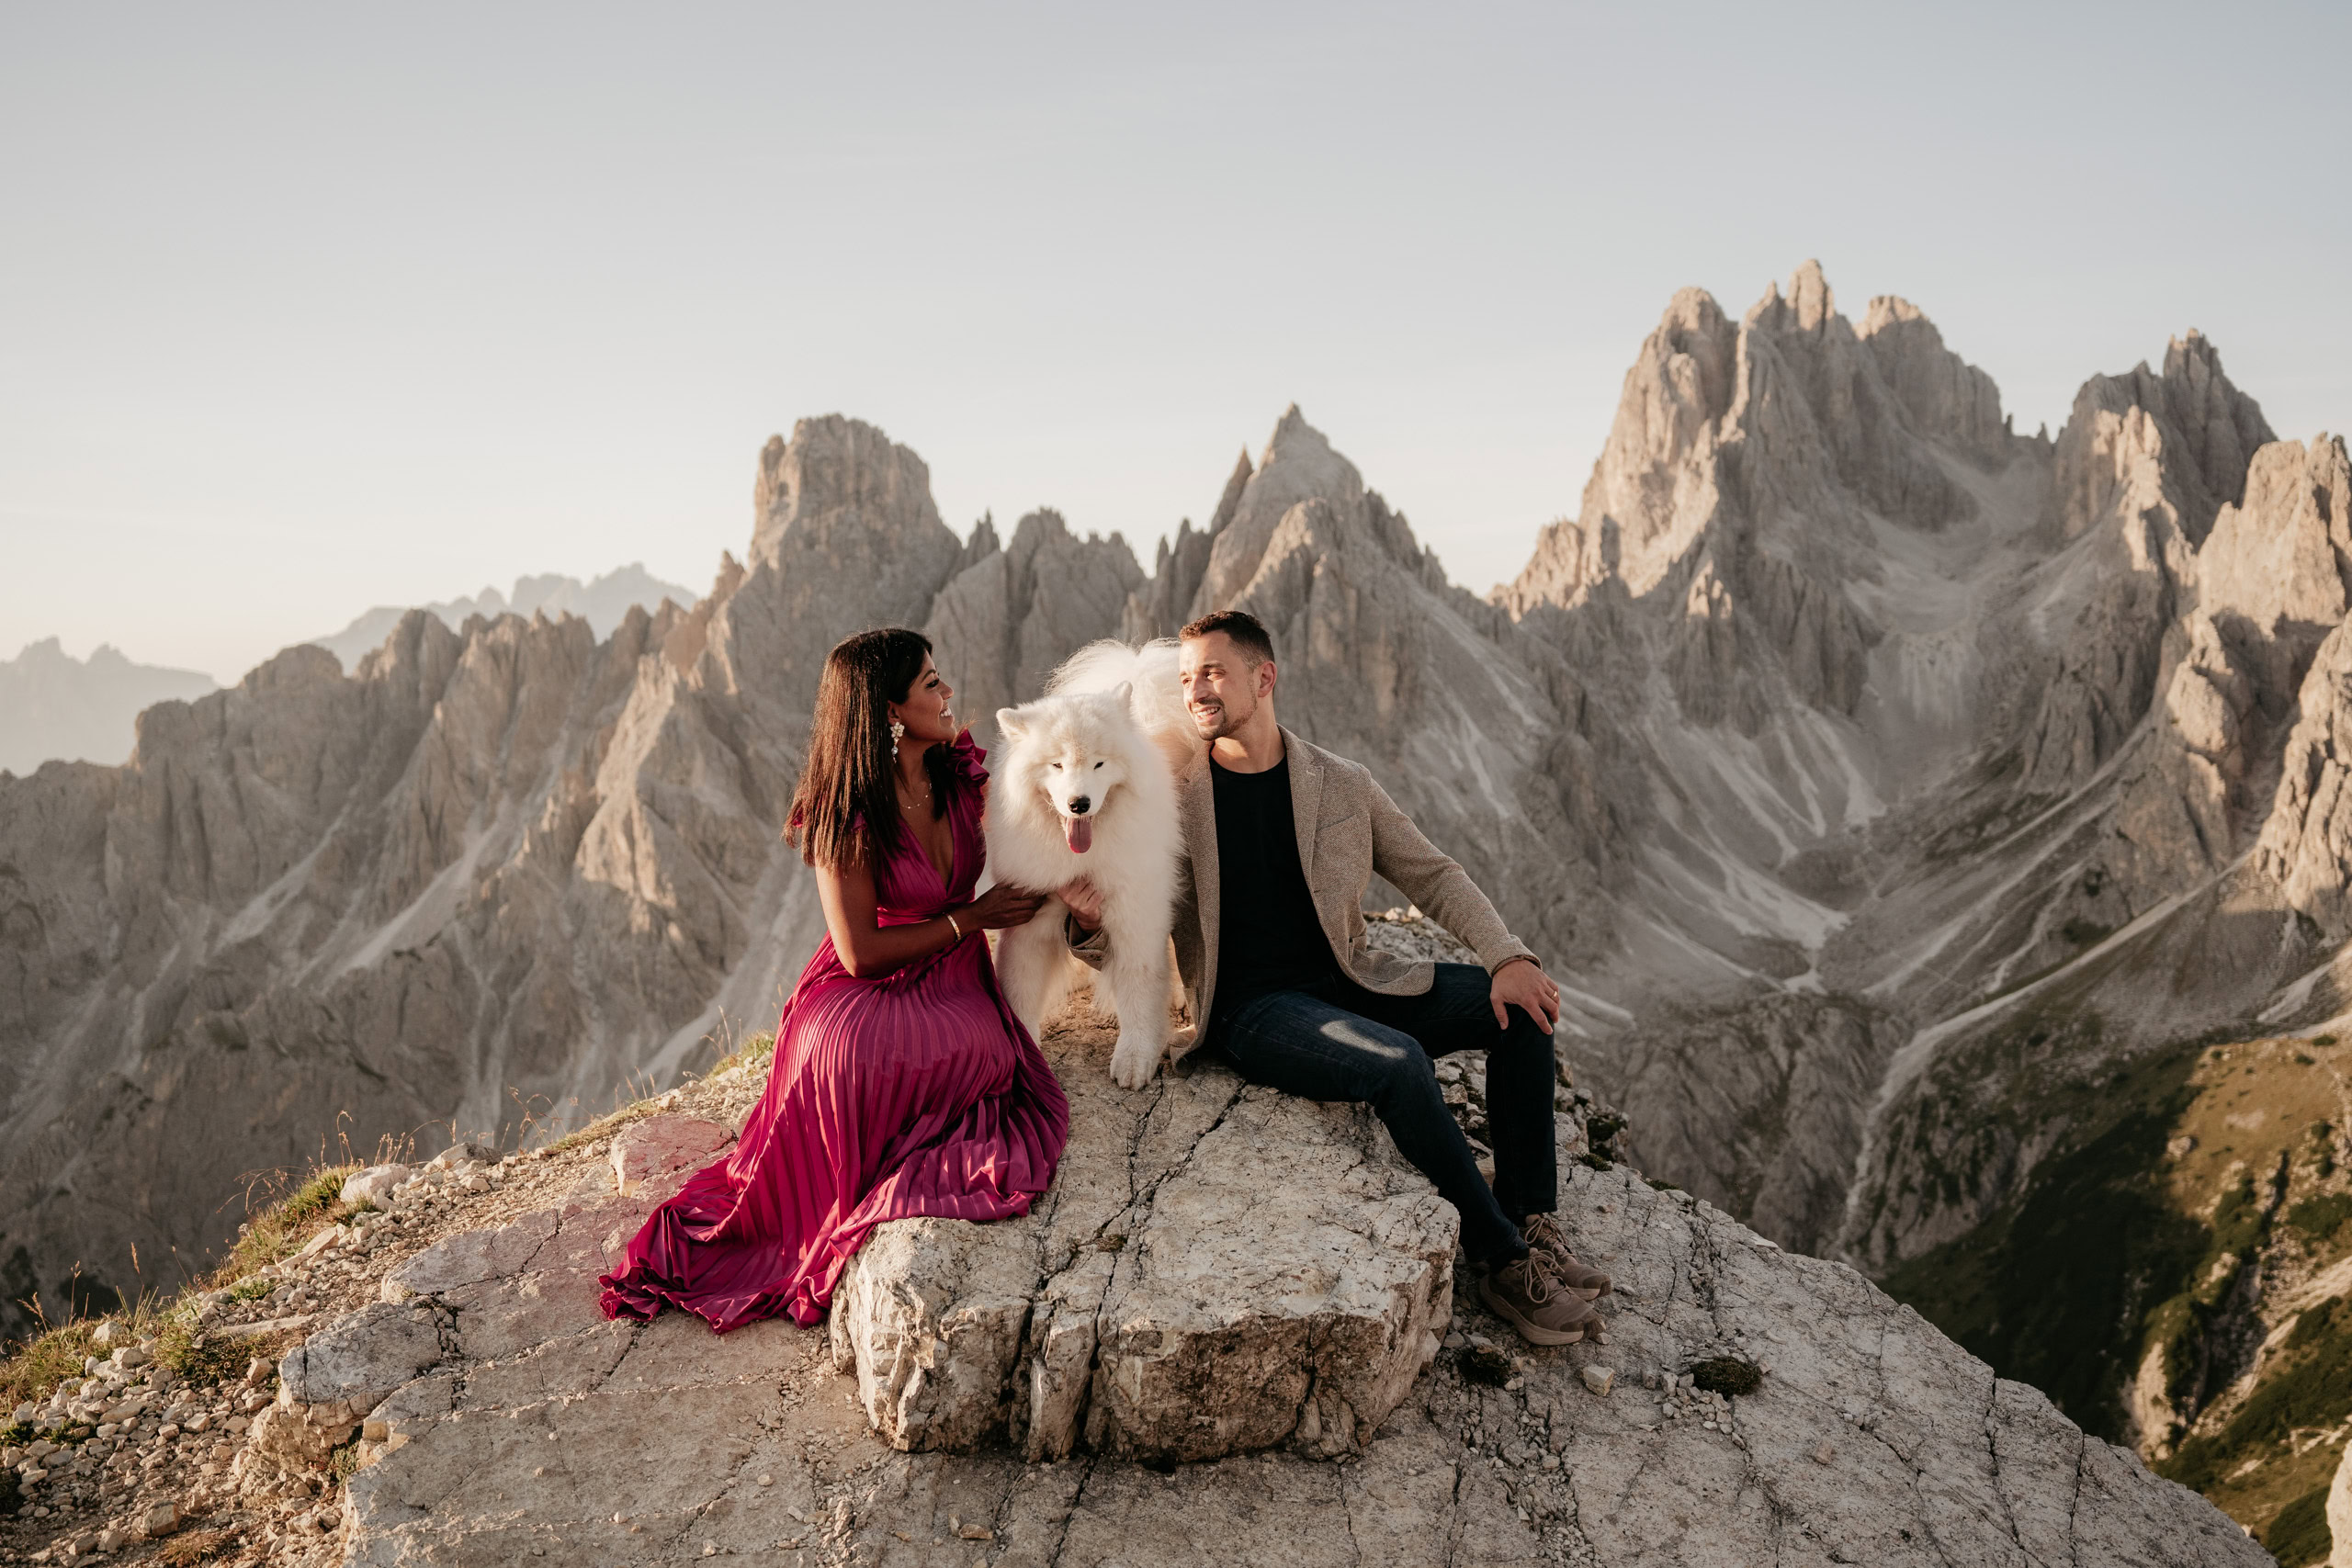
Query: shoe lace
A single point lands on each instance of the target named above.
(1538, 1283)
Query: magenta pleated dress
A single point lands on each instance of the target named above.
(915, 1092)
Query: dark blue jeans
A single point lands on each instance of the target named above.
(1337, 1041)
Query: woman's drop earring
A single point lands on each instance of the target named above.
(897, 729)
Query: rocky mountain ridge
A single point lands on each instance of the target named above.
(1869, 773)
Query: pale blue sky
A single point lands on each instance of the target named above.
(305, 308)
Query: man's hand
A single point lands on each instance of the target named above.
(1085, 902)
(1520, 983)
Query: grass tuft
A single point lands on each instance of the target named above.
(279, 1225)
(1726, 1375)
(195, 1546)
(44, 1362)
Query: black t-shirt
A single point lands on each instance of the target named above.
(1268, 936)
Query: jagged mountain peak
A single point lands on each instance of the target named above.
(1808, 307)
(1789, 420)
(2187, 432)
(1299, 464)
(838, 471)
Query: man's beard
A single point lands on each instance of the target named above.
(1217, 724)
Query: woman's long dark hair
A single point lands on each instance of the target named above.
(845, 808)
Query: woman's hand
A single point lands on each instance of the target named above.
(1002, 905)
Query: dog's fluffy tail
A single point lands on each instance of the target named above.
(1154, 696)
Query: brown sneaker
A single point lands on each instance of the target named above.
(1523, 1295)
(1551, 1248)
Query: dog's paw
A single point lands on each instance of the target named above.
(1133, 1062)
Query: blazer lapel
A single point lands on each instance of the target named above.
(1196, 805)
(1306, 800)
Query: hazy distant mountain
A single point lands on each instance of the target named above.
(54, 706)
(601, 604)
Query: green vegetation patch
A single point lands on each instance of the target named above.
(2316, 1324)
(193, 1357)
(2320, 1218)
(2299, 1536)
(2311, 1388)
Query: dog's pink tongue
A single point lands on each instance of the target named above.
(1081, 831)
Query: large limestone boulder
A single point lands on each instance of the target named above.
(1218, 1268)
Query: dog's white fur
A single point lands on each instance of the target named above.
(1111, 732)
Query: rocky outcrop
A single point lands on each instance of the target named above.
(1747, 1398)
(1757, 1108)
(1217, 1270)
(2306, 844)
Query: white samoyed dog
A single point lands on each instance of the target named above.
(1087, 787)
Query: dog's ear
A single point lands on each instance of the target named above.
(1123, 694)
(1009, 724)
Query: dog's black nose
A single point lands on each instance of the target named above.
(1078, 807)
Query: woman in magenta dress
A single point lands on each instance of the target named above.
(902, 1084)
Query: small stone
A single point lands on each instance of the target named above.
(710, 1548)
(1551, 1462)
(375, 1185)
(767, 1479)
(1823, 1453)
(1598, 1380)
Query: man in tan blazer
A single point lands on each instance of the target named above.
(1281, 841)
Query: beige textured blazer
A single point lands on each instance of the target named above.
(1348, 829)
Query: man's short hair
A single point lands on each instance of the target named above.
(1247, 634)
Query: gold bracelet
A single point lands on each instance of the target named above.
(954, 927)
